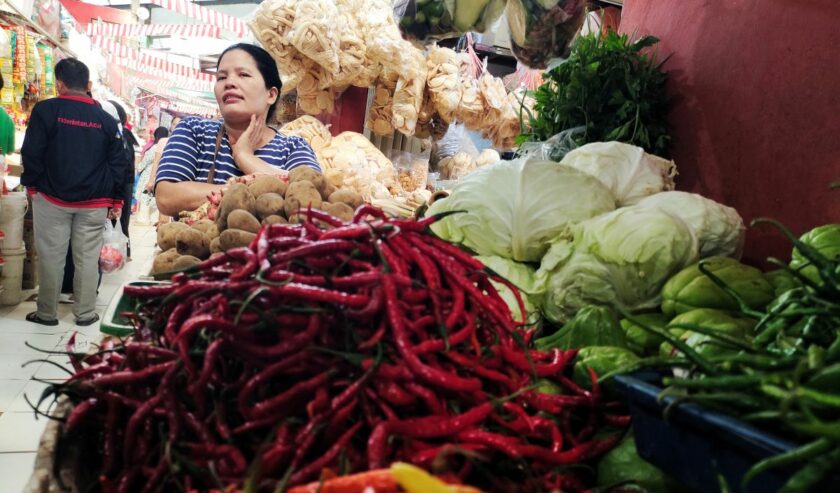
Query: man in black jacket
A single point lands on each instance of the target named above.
(74, 164)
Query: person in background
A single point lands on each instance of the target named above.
(73, 159)
(202, 155)
(147, 169)
(7, 129)
(118, 112)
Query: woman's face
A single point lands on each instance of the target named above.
(240, 88)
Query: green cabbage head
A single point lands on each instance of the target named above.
(523, 277)
(619, 259)
(514, 209)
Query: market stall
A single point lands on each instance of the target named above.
(500, 281)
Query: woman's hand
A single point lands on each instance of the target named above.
(249, 141)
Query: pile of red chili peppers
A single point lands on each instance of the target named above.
(334, 346)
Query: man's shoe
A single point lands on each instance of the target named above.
(34, 318)
(92, 320)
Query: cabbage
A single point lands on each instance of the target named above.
(514, 209)
(629, 172)
(521, 276)
(719, 229)
(619, 259)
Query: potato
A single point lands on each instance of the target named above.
(235, 238)
(349, 197)
(215, 246)
(185, 262)
(301, 194)
(270, 204)
(329, 189)
(243, 220)
(341, 211)
(166, 234)
(165, 261)
(267, 184)
(305, 173)
(275, 220)
(238, 196)
(193, 242)
(207, 227)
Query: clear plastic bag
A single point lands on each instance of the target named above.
(412, 170)
(553, 149)
(114, 249)
(539, 34)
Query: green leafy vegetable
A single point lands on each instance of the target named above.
(592, 326)
(609, 86)
(623, 465)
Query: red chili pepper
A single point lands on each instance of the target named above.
(617, 421)
(389, 372)
(129, 377)
(270, 406)
(150, 291)
(338, 420)
(323, 247)
(266, 373)
(212, 451)
(80, 413)
(377, 336)
(316, 294)
(438, 345)
(288, 346)
(368, 210)
(278, 230)
(434, 403)
(210, 359)
(359, 279)
(505, 444)
(281, 275)
(389, 413)
(393, 262)
(153, 481)
(441, 426)
(578, 454)
(392, 393)
(450, 381)
(321, 216)
(552, 403)
(426, 456)
(482, 370)
(315, 467)
(449, 249)
(220, 422)
(377, 446)
(134, 423)
(250, 260)
(560, 360)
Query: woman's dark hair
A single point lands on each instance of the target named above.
(120, 111)
(73, 73)
(265, 64)
(161, 133)
(2, 83)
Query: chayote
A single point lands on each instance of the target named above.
(826, 240)
(708, 318)
(592, 326)
(691, 289)
(639, 340)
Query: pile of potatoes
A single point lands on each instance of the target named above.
(244, 209)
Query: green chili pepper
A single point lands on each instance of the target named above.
(723, 382)
(795, 456)
(812, 473)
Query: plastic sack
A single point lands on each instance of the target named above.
(553, 149)
(542, 31)
(426, 20)
(114, 249)
(412, 170)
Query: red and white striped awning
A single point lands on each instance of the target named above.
(151, 59)
(205, 15)
(137, 30)
(163, 77)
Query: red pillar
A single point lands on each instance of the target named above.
(756, 111)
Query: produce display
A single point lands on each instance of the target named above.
(437, 19)
(761, 350)
(340, 346)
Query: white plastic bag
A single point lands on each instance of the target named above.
(114, 249)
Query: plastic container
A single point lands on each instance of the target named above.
(11, 279)
(113, 323)
(13, 207)
(694, 445)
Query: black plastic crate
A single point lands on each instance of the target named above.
(696, 446)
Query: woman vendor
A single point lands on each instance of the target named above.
(202, 155)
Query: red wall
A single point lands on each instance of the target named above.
(756, 111)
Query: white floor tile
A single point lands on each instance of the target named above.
(9, 391)
(31, 392)
(20, 432)
(15, 342)
(15, 469)
(11, 366)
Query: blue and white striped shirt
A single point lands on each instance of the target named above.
(188, 154)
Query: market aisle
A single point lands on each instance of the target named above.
(19, 430)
